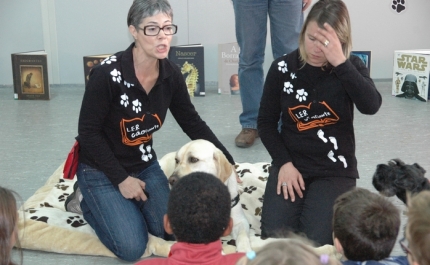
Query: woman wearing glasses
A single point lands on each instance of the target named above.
(124, 191)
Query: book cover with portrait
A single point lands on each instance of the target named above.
(30, 75)
(411, 73)
(228, 65)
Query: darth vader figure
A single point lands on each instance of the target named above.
(410, 88)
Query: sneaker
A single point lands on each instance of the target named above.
(73, 202)
(246, 137)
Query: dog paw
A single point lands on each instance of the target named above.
(266, 168)
(264, 179)
(62, 187)
(398, 6)
(40, 219)
(76, 221)
(231, 242)
(243, 172)
(250, 189)
(46, 204)
(258, 211)
(63, 197)
(30, 210)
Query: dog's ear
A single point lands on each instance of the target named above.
(224, 167)
(419, 168)
(168, 163)
(384, 178)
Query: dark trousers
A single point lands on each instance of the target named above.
(311, 215)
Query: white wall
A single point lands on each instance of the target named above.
(84, 27)
(20, 30)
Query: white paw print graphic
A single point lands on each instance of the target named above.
(109, 60)
(124, 100)
(301, 94)
(116, 75)
(127, 84)
(146, 152)
(282, 66)
(137, 105)
(288, 87)
(293, 76)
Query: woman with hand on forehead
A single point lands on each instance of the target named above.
(121, 190)
(314, 90)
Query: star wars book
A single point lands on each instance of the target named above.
(228, 65)
(411, 74)
(190, 59)
(30, 75)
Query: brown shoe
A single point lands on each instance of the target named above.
(246, 137)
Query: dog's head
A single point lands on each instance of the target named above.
(200, 155)
(398, 178)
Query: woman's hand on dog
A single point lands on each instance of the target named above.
(290, 175)
(133, 188)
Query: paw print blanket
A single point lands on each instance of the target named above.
(45, 225)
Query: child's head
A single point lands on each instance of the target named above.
(418, 228)
(290, 251)
(198, 209)
(8, 224)
(365, 225)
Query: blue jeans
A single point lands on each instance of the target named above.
(122, 225)
(286, 19)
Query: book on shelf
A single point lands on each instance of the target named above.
(411, 73)
(30, 75)
(90, 61)
(191, 60)
(228, 65)
(365, 56)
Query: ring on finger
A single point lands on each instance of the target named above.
(284, 184)
(326, 43)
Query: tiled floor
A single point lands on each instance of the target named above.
(37, 135)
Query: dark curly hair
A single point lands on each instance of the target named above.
(199, 208)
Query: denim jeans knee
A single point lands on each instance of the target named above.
(122, 225)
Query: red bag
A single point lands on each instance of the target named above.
(71, 164)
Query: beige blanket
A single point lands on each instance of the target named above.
(45, 225)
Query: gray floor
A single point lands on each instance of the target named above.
(37, 135)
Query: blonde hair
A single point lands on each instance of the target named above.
(8, 225)
(291, 251)
(418, 227)
(334, 13)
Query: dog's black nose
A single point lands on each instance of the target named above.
(173, 179)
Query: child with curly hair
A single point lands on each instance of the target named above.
(198, 214)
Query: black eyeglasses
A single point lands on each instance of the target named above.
(155, 30)
(403, 244)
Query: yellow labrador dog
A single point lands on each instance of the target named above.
(202, 155)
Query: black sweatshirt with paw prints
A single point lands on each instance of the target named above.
(118, 118)
(317, 107)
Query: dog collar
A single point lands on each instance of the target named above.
(235, 201)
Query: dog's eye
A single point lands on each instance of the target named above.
(194, 160)
(176, 161)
